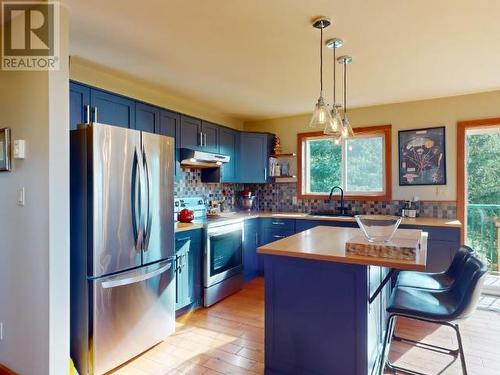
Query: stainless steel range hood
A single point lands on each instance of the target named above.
(200, 159)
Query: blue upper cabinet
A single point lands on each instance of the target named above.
(191, 136)
(79, 102)
(169, 125)
(210, 136)
(112, 109)
(147, 117)
(199, 135)
(255, 149)
(229, 145)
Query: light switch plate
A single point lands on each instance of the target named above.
(21, 197)
(19, 149)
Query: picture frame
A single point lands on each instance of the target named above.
(5, 154)
(422, 156)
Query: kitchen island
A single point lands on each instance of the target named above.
(318, 314)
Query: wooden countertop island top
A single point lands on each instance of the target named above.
(328, 244)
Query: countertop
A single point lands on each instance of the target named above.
(328, 244)
(234, 216)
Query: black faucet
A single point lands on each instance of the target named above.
(343, 210)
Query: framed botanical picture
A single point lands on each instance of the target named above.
(4, 149)
(422, 156)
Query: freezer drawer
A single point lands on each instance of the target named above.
(132, 311)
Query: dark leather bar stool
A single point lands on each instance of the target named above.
(445, 307)
(436, 281)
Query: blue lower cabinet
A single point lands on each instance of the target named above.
(319, 319)
(442, 245)
(271, 230)
(188, 268)
(250, 244)
(302, 225)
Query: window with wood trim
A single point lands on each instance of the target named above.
(360, 165)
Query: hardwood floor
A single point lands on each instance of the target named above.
(228, 338)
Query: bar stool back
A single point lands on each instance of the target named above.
(445, 307)
(439, 280)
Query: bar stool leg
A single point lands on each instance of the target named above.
(460, 348)
(391, 324)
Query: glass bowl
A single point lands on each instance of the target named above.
(378, 228)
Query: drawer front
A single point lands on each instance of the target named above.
(438, 233)
(274, 234)
(281, 224)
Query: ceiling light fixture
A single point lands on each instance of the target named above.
(347, 131)
(334, 128)
(321, 114)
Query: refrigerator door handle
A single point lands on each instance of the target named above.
(136, 201)
(127, 280)
(149, 215)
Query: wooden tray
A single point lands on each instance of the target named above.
(404, 245)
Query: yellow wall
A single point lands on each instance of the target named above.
(418, 114)
(98, 76)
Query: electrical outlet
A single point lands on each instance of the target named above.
(294, 200)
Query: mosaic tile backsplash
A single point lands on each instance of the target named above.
(279, 197)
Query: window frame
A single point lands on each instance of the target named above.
(383, 130)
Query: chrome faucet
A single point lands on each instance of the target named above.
(343, 210)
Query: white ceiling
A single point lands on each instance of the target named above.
(259, 59)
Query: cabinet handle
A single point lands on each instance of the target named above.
(87, 114)
(265, 173)
(205, 139)
(200, 139)
(278, 223)
(183, 239)
(278, 236)
(95, 114)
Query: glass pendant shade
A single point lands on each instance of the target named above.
(321, 114)
(347, 131)
(334, 127)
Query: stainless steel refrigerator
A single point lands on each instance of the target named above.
(122, 244)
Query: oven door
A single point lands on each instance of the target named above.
(223, 253)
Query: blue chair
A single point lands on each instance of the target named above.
(446, 307)
(436, 281)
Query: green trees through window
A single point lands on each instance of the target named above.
(357, 165)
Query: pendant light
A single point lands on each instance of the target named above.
(321, 115)
(334, 128)
(347, 131)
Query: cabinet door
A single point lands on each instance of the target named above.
(112, 109)
(79, 99)
(210, 136)
(188, 246)
(228, 144)
(169, 125)
(250, 244)
(182, 247)
(190, 133)
(253, 158)
(147, 117)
